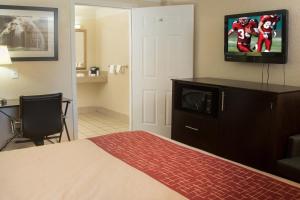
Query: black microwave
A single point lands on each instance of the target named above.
(198, 100)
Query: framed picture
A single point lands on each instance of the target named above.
(30, 33)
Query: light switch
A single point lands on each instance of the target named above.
(14, 74)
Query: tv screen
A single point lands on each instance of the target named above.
(256, 37)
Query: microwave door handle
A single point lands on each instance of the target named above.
(222, 101)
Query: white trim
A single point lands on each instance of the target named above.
(73, 71)
(116, 3)
(104, 3)
(130, 70)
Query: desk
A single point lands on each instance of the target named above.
(15, 103)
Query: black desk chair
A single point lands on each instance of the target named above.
(290, 167)
(40, 117)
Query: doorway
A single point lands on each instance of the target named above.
(102, 37)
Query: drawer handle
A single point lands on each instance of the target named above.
(191, 128)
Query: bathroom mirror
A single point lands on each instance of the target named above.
(80, 37)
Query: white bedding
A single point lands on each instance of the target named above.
(75, 170)
(79, 170)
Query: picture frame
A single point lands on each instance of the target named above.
(30, 33)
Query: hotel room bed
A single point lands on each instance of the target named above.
(132, 165)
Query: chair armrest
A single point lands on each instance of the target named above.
(293, 146)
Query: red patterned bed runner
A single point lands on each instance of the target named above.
(193, 174)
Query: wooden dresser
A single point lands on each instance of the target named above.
(246, 122)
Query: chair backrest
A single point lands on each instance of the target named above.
(41, 115)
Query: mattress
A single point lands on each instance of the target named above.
(132, 165)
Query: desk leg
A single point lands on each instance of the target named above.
(11, 120)
(67, 131)
(65, 124)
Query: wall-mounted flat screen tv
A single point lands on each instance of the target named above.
(260, 37)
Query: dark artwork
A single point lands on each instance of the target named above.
(24, 33)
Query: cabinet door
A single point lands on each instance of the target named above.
(245, 126)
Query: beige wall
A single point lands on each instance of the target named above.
(43, 76)
(113, 48)
(89, 26)
(209, 58)
(87, 94)
(108, 43)
(86, 17)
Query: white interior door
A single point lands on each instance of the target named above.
(162, 49)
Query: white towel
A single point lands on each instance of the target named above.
(119, 69)
(112, 69)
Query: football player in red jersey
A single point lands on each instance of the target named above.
(245, 28)
(266, 28)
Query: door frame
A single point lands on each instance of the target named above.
(98, 3)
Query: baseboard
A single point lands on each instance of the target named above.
(82, 110)
(112, 113)
(105, 111)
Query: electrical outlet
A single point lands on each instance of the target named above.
(14, 74)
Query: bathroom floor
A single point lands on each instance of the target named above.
(93, 124)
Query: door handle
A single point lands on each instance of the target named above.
(192, 128)
(271, 106)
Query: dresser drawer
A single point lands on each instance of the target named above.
(194, 130)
